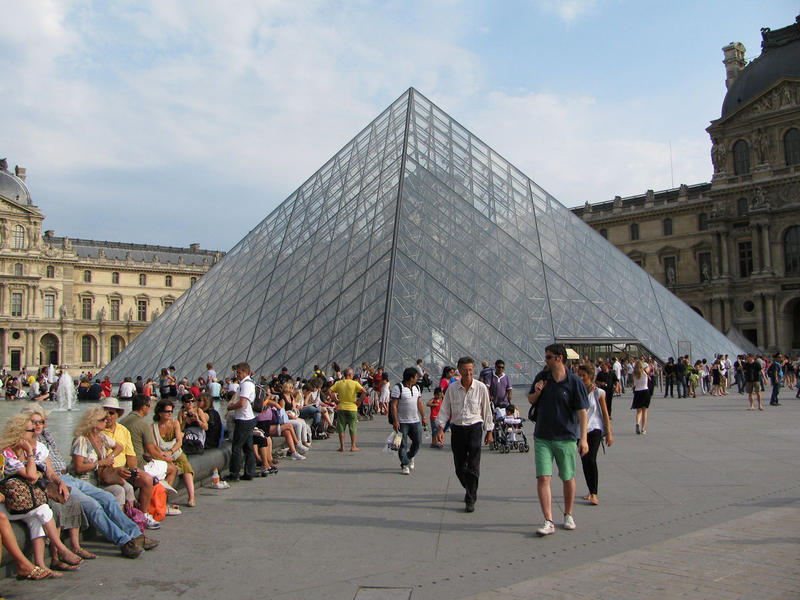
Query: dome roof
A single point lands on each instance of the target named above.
(780, 57)
(13, 188)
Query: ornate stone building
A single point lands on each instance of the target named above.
(731, 248)
(78, 302)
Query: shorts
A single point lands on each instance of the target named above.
(563, 451)
(346, 419)
(753, 387)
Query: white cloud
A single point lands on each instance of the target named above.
(567, 10)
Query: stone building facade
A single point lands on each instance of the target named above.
(78, 302)
(731, 248)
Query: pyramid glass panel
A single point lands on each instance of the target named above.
(416, 240)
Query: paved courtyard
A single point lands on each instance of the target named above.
(707, 505)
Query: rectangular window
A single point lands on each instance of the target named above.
(141, 310)
(745, 259)
(167, 304)
(114, 277)
(16, 304)
(114, 309)
(86, 308)
(168, 280)
(49, 306)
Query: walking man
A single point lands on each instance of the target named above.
(407, 409)
(752, 381)
(466, 407)
(500, 386)
(562, 404)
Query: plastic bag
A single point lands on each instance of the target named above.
(393, 442)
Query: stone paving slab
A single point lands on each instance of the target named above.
(334, 524)
(752, 557)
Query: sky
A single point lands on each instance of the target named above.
(174, 122)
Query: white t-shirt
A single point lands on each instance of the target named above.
(617, 369)
(594, 415)
(247, 389)
(407, 409)
(127, 389)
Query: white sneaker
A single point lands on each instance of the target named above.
(569, 522)
(300, 448)
(411, 464)
(168, 487)
(151, 522)
(405, 470)
(548, 528)
(297, 456)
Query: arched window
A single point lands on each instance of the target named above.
(193, 280)
(87, 276)
(18, 270)
(87, 348)
(51, 271)
(667, 226)
(702, 222)
(791, 250)
(791, 146)
(142, 279)
(18, 239)
(634, 231)
(741, 158)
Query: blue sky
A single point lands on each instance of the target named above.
(177, 122)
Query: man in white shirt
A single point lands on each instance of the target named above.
(407, 409)
(211, 374)
(618, 372)
(127, 389)
(466, 406)
(244, 423)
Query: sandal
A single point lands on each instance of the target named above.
(57, 565)
(37, 574)
(70, 558)
(191, 503)
(85, 554)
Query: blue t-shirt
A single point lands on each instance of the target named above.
(558, 406)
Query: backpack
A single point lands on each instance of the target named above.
(262, 395)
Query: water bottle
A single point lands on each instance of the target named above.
(215, 477)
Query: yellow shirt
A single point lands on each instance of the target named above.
(346, 390)
(122, 436)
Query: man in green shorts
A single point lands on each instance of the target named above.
(347, 390)
(561, 401)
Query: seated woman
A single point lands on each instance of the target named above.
(311, 407)
(268, 421)
(69, 514)
(262, 446)
(289, 402)
(83, 389)
(18, 441)
(169, 438)
(214, 431)
(194, 424)
(93, 454)
(11, 386)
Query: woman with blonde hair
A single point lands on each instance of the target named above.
(18, 442)
(641, 396)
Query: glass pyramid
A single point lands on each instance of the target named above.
(416, 240)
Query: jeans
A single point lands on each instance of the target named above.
(103, 512)
(413, 432)
(243, 444)
(668, 383)
(683, 388)
(308, 412)
(776, 387)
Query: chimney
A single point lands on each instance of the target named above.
(734, 61)
(194, 247)
(20, 172)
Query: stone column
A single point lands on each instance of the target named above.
(4, 349)
(724, 253)
(728, 312)
(755, 244)
(767, 258)
(771, 329)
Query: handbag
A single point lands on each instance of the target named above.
(21, 496)
(107, 474)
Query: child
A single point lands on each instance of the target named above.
(435, 404)
(512, 419)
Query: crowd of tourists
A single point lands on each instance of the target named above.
(120, 470)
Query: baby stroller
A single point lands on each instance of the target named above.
(368, 407)
(507, 434)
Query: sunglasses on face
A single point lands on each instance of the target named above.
(103, 420)
(30, 430)
(37, 421)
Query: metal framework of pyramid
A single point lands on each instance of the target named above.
(416, 240)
